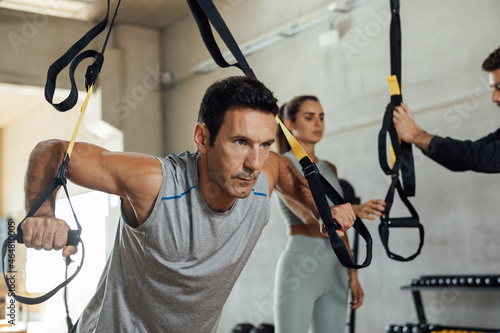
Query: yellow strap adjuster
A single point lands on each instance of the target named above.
(297, 149)
(392, 81)
(77, 127)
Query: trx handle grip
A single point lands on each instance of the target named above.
(403, 222)
(73, 236)
(320, 190)
(387, 222)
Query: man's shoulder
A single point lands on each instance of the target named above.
(183, 158)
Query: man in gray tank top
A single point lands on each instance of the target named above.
(189, 222)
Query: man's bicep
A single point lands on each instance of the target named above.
(116, 173)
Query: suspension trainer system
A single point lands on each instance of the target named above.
(72, 57)
(401, 152)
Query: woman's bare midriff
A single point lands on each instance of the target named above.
(311, 230)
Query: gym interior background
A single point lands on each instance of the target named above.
(148, 97)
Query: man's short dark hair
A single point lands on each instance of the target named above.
(231, 93)
(492, 63)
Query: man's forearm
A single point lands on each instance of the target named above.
(422, 140)
(42, 168)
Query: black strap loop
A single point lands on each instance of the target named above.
(74, 57)
(387, 222)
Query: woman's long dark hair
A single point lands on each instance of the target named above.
(289, 111)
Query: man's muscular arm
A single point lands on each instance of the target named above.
(134, 177)
(283, 176)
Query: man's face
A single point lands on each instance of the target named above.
(495, 82)
(240, 150)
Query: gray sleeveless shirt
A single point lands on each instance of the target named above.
(288, 216)
(175, 271)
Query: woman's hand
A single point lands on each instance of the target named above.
(357, 292)
(374, 207)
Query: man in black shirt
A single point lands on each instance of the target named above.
(482, 155)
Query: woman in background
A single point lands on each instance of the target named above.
(311, 286)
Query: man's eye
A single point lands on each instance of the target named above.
(266, 145)
(240, 142)
(308, 118)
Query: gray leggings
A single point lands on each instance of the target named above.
(311, 288)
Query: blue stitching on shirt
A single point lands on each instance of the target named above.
(179, 196)
(258, 193)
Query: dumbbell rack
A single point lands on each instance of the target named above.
(477, 283)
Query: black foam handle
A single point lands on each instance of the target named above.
(73, 237)
(403, 222)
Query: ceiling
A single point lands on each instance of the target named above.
(148, 13)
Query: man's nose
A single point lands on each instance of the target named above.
(252, 160)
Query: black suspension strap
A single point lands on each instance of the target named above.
(401, 152)
(321, 189)
(74, 57)
(205, 12)
(69, 322)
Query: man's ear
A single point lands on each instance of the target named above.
(289, 124)
(201, 137)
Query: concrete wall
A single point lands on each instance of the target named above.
(444, 44)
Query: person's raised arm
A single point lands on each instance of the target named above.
(134, 177)
(283, 176)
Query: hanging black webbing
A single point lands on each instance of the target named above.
(205, 12)
(403, 164)
(74, 57)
